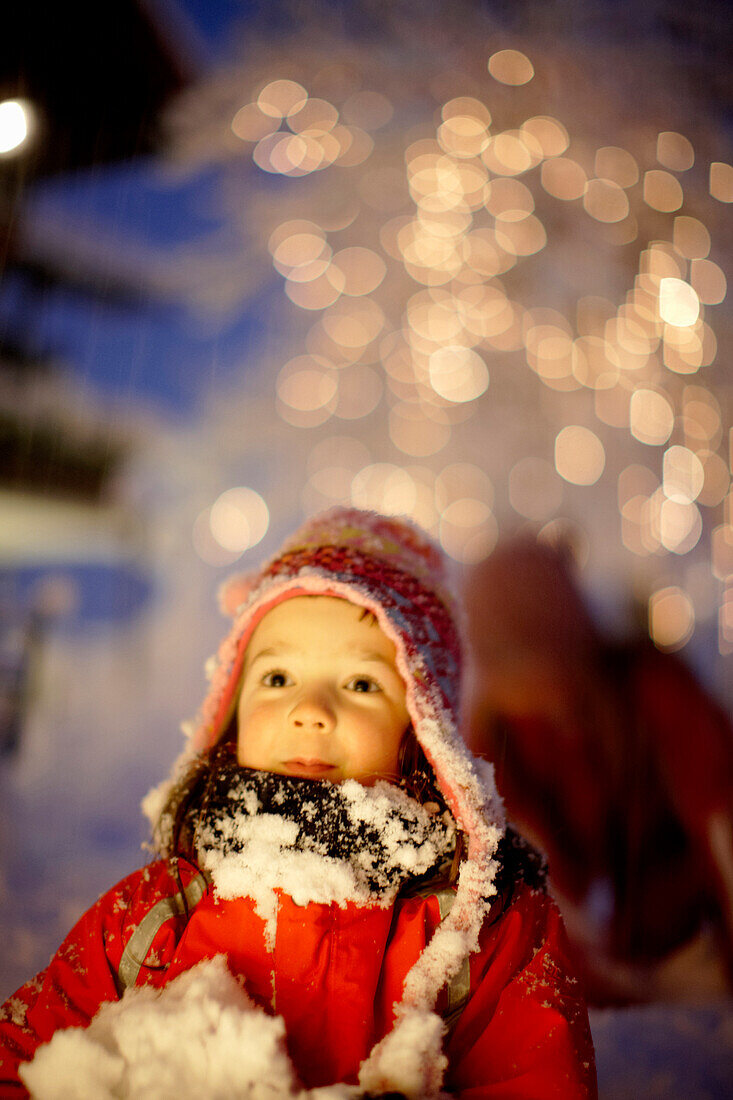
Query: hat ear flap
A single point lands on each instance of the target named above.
(235, 591)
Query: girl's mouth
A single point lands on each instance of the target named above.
(309, 768)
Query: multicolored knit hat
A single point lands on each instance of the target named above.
(390, 567)
(380, 563)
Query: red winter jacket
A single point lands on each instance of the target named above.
(522, 1034)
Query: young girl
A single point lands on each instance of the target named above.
(337, 909)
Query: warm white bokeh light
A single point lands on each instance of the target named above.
(721, 181)
(671, 618)
(579, 455)
(239, 519)
(16, 122)
(458, 374)
(684, 475)
(384, 488)
(680, 526)
(281, 98)
(511, 67)
(307, 383)
(679, 305)
(468, 530)
(675, 151)
(417, 274)
(651, 417)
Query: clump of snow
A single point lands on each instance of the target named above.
(316, 841)
(409, 1060)
(199, 1036)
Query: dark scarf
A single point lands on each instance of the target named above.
(380, 835)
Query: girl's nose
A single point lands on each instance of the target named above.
(313, 712)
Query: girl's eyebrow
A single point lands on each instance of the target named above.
(277, 649)
(368, 655)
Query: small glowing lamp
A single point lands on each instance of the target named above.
(16, 125)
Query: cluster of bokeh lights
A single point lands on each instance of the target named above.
(409, 312)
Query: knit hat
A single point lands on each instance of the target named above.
(391, 568)
(379, 563)
(388, 566)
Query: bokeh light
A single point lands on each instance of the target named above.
(662, 191)
(16, 125)
(651, 417)
(563, 178)
(251, 124)
(616, 164)
(721, 181)
(605, 201)
(675, 151)
(307, 388)
(679, 305)
(281, 98)
(458, 373)
(680, 525)
(353, 324)
(384, 487)
(683, 476)
(494, 233)
(511, 67)
(549, 134)
(579, 455)
(512, 152)
(671, 618)
(239, 519)
(468, 530)
(716, 479)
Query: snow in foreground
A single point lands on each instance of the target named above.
(134, 1049)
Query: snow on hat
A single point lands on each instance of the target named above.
(390, 567)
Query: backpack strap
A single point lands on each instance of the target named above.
(459, 987)
(518, 861)
(141, 940)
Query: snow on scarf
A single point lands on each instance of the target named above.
(316, 841)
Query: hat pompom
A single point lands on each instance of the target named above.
(235, 591)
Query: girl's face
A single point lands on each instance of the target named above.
(321, 695)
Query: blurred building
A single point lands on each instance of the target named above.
(79, 88)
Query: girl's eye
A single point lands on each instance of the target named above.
(275, 679)
(362, 683)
